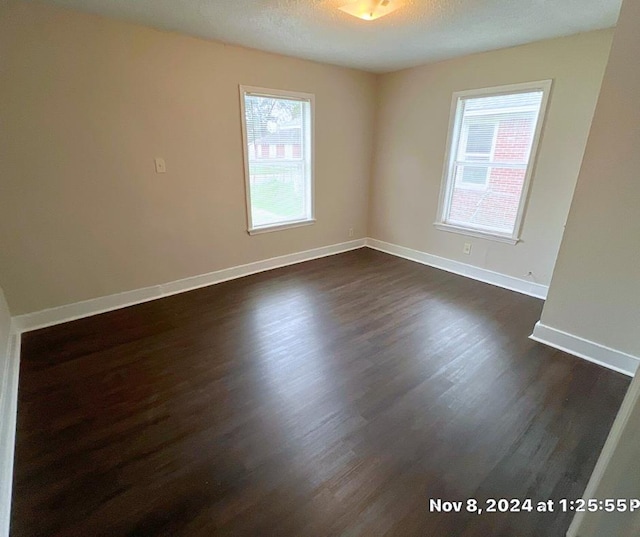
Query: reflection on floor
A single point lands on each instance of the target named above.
(333, 397)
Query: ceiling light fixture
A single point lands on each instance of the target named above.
(369, 10)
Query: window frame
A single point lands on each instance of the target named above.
(309, 138)
(453, 139)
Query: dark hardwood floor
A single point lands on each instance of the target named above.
(330, 398)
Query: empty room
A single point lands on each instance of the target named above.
(319, 268)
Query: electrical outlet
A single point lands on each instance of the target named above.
(467, 248)
(350, 232)
(160, 165)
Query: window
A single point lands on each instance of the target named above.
(491, 150)
(278, 152)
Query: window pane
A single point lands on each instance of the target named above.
(278, 154)
(474, 175)
(277, 193)
(494, 145)
(492, 209)
(480, 138)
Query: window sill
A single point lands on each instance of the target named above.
(280, 227)
(475, 233)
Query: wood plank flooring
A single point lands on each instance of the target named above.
(330, 398)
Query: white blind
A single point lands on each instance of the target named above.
(493, 141)
(278, 137)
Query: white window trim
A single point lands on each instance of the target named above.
(292, 95)
(446, 188)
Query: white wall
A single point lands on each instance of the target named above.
(88, 102)
(412, 125)
(595, 291)
(91, 101)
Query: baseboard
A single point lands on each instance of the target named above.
(86, 308)
(78, 310)
(588, 350)
(518, 285)
(8, 414)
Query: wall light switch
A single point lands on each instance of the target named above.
(467, 248)
(160, 165)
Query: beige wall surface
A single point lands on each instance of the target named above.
(595, 291)
(87, 103)
(412, 127)
(5, 328)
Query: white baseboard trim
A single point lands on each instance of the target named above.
(86, 308)
(588, 350)
(8, 415)
(470, 271)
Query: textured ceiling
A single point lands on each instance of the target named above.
(420, 31)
